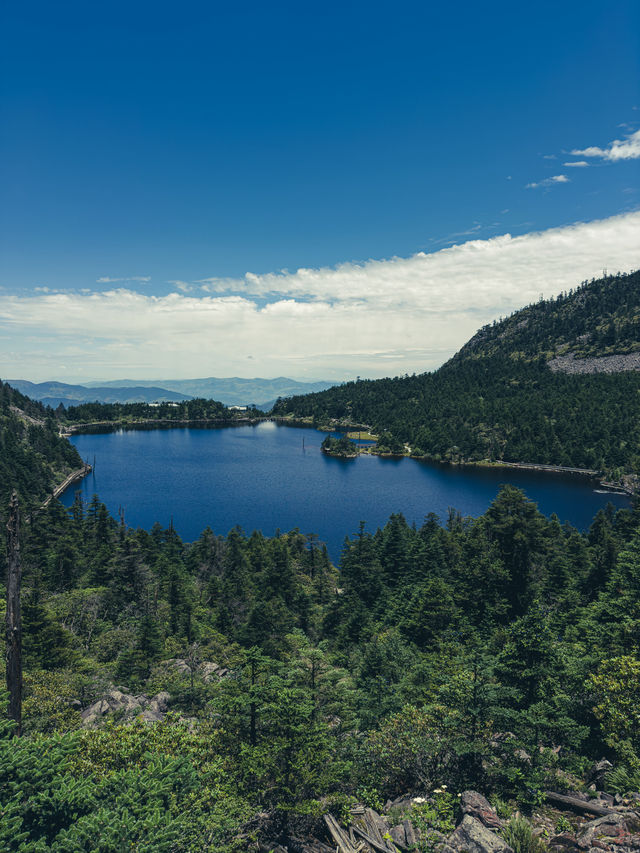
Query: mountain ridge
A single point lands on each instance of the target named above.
(232, 391)
(498, 398)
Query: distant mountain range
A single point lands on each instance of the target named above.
(232, 391)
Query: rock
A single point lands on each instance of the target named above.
(412, 836)
(152, 716)
(398, 835)
(403, 802)
(564, 843)
(160, 702)
(598, 364)
(607, 798)
(206, 670)
(472, 836)
(614, 831)
(474, 804)
(598, 773)
(126, 705)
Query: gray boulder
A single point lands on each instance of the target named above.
(124, 705)
(206, 670)
(472, 836)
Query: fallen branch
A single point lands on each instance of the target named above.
(577, 805)
(339, 835)
(381, 848)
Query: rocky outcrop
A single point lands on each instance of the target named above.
(120, 704)
(405, 827)
(601, 364)
(206, 670)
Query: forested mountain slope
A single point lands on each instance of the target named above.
(498, 399)
(600, 318)
(33, 457)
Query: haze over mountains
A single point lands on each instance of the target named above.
(233, 391)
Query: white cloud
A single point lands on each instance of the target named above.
(549, 182)
(372, 319)
(619, 149)
(577, 164)
(105, 279)
(183, 286)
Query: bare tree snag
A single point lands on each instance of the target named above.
(13, 621)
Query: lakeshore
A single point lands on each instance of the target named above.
(74, 477)
(629, 486)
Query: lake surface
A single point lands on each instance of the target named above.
(267, 477)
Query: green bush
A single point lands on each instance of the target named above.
(520, 836)
(622, 780)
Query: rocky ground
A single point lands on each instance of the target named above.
(479, 829)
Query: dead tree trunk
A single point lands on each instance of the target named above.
(13, 622)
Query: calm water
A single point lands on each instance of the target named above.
(263, 477)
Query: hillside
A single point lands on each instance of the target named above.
(33, 457)
(499, 398)
(600, 318)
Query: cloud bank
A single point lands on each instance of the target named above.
(619, 149)
(372, 319)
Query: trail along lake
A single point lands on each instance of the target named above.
(268, 477)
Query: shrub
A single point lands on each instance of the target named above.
(520, 836)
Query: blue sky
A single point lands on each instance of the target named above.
(162, 151)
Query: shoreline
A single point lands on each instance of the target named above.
(590, 473)
(69, 480)
(113, 426)
(89, 427)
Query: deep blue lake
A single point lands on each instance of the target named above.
(267, 476)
